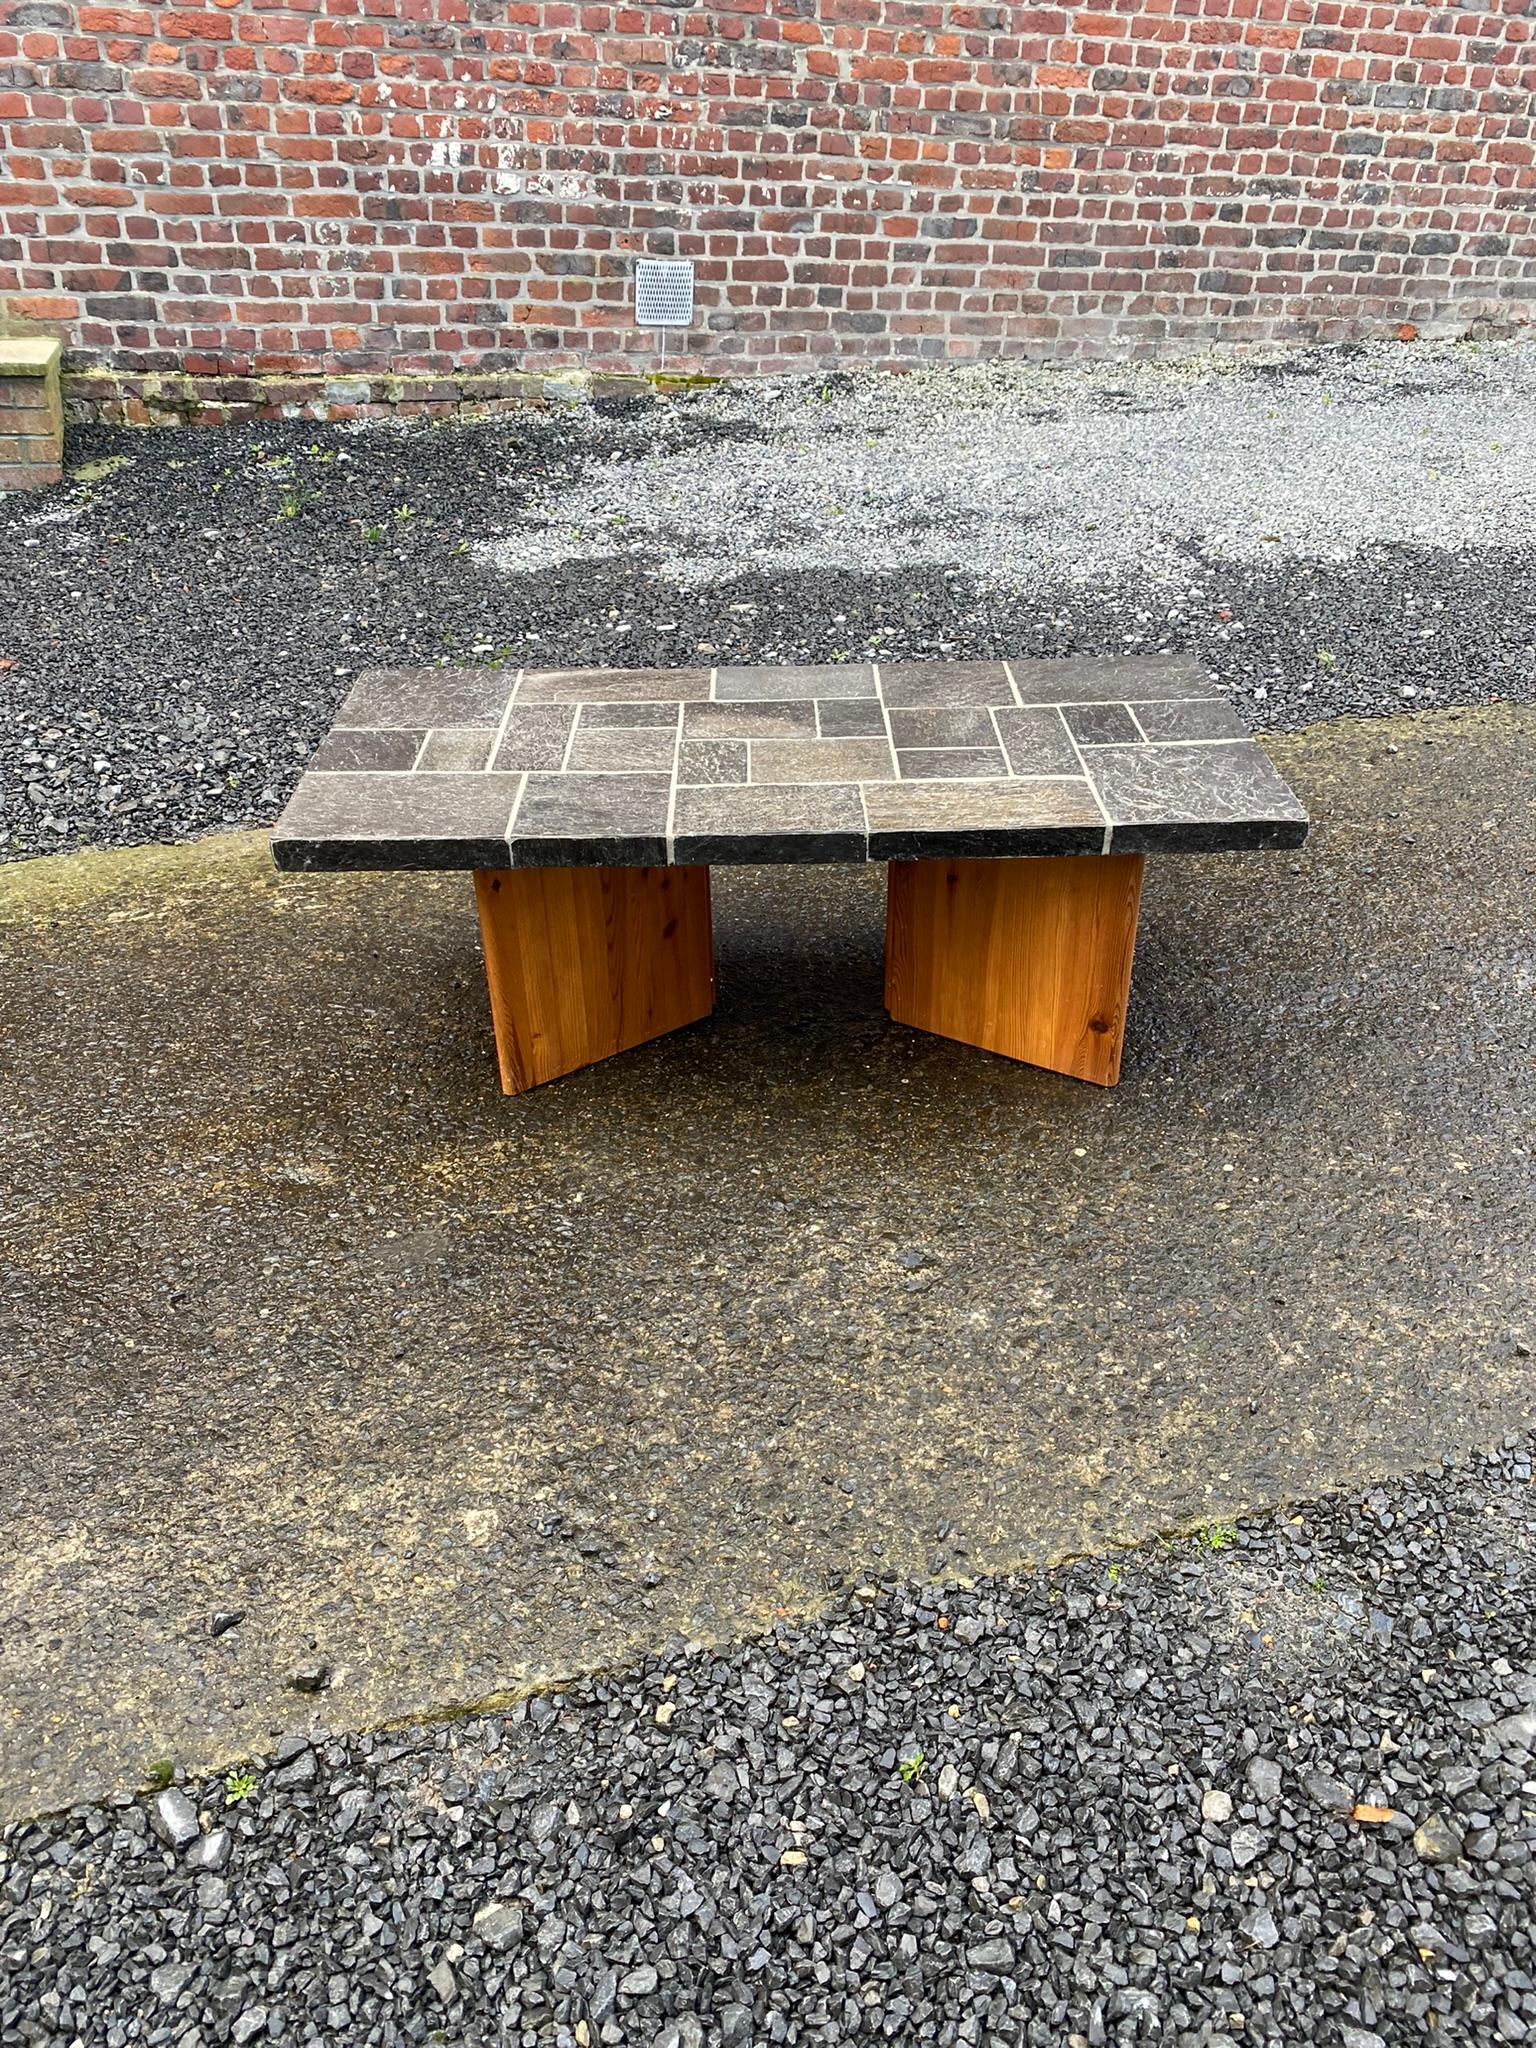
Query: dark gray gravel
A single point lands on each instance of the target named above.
(1274, 1784)
(182, 627)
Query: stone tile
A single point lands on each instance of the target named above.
(850, 718)
(1037, 741)
(626, 748)
(628, 714)
(1109, 679)
(910, 683)
(821, 761)
(739, 826)
(397, 821)
(535, 736)
(783, 685)
(592, 821)
(428, 696)
(950, 764)
(1195, 798)
(917, 821)
(954, 726)
(458, 749)
(746, 721)
(614, 686)
(706, 761)
(1101, 725)
(364, 749)
(1190, 718)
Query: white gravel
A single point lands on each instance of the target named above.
(1023, 473)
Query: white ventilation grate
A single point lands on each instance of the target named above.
(663, 293)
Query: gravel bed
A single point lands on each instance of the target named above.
(1272, 1783)
(1352, 531)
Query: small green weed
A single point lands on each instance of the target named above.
(1216, 1536)
(239, 1785)
(912, 1768)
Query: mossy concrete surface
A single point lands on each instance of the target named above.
(460, 1394)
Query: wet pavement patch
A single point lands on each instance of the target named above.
(451, 1396)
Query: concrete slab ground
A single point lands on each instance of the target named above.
(299, 1316)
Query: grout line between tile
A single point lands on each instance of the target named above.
(420, 751)
(517, 804)
(998, 731)
(1013, 684)
(1093, 786)
(677, 741)
(570, 738)
(506, 719)
(1140, 728)
(885, 720)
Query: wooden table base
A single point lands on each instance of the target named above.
(586, 962)
(1031, 958)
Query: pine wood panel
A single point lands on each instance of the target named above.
(1030, 958)
(585, 962)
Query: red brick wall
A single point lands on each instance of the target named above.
(439, 185)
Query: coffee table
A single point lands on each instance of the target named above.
(1015, 802)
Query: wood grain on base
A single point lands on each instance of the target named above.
(585, 962)
(1031, 958)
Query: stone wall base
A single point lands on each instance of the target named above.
(149, 398)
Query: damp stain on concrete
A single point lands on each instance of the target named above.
(461, 1394)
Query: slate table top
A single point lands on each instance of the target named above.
(498, 768)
